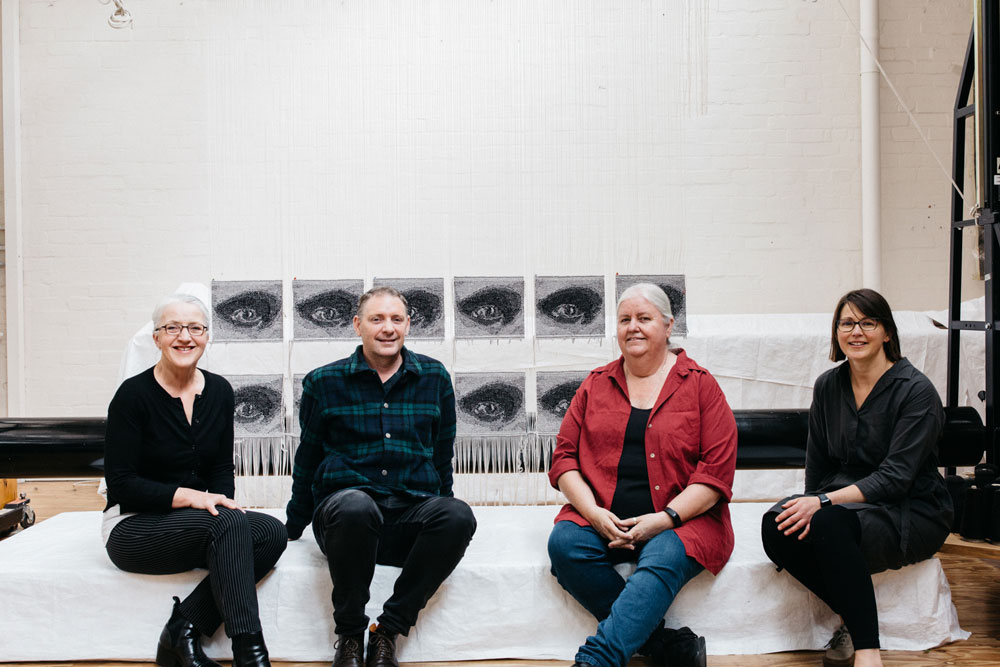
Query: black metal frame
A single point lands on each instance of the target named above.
(987, 219)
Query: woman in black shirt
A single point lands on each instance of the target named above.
(169, 471)
(874, 497)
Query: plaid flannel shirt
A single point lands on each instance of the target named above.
(396, 438)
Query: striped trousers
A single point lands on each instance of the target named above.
(236, 548)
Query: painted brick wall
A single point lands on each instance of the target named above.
(231, 140)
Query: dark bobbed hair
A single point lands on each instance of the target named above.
(381, 290)
(873, 305)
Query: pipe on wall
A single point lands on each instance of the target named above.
(871, 166)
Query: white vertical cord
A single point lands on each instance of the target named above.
(899, 98)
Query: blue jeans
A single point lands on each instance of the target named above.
(628, 611)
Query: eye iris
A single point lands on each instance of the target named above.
(487, 313)
(246, 316)
(568, 312)
(325, 315)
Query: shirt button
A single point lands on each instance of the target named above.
(649, 425)
(387, 435)
(657, 487)
(385, 472)
(385, 405)
(652, 456)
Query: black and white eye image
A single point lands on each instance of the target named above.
(325, 308)
(569, 306)
(554, 391)
(296, 401)
(258, 405)
(676, 291)
(490, 403)
(425, 304)
(489, 307)
(246, 310)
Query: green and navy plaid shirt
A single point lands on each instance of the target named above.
(395, 438)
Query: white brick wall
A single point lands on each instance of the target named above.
(231, 139)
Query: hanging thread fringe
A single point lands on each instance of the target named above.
(488, 469)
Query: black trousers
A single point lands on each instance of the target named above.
(237, 548)
(830, 563)
(426, 539)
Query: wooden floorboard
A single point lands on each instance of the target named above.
(975, 587)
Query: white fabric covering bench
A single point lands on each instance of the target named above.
(66, 601)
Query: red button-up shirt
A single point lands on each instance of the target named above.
(690, 439)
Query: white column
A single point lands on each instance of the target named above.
(10, 47)
(871, 167)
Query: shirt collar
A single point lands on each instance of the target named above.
(359, 364)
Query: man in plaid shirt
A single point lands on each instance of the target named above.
(373, 474)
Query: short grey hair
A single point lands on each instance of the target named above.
(381, 290)
(650, 292)
(168, 301)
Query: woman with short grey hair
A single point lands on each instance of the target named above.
(169, 468)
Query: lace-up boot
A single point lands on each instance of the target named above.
(381, 648)
(840, 649)
(349, 652)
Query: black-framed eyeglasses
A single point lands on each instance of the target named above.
(867, 324)
(175, 329)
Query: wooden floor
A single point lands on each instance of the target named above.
(975, 587)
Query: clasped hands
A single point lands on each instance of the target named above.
(627, 533)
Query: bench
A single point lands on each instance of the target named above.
(768, 439)
(67, 602)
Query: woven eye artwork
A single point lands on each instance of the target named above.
(324, 309)
(554, 391)
(489, 403)
(489, 307)
(569, 306)
(258, 406)
(246, 310)
(424, 304)
(673, 285)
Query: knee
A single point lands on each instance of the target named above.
(834, 523)
(230, 519)
(564, 545)
(351, 508)
(268, 532)
(769, 532)
(459, 517)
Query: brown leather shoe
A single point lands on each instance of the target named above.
(349, 652)
(381, 649)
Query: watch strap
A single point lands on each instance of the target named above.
(674, 516)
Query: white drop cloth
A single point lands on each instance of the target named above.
(66, 601)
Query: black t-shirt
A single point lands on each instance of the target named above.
(150, 449)
(632, 497)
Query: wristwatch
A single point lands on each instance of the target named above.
(674, 516)
(824, 500)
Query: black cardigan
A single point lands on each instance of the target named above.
(150, 449)
(888, 449)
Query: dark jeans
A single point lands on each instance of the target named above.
(829, 562)
(630, 610)
(426, 539)
(237, 548)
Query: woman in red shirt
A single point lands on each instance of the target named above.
(646, 457)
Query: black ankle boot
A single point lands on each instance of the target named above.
(249, 651)
(180, 643)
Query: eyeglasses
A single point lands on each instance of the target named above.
(175, 329)
(867, 324)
